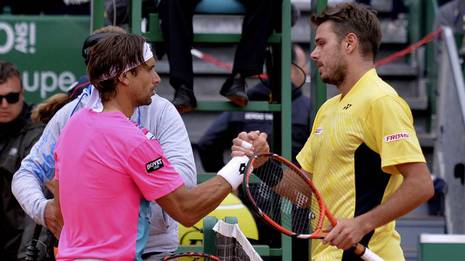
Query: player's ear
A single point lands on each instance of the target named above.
(351, 42)
(123, 78)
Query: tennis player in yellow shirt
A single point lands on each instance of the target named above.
(363, 153)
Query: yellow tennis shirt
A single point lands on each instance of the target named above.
(355, 144)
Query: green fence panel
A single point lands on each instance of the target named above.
(46, 49)
(442, 247)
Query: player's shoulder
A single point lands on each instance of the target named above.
(330, 102)
(386, 98)
(381, 92)
(159, 102)
(157, 109)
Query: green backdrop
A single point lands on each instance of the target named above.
(46, 49)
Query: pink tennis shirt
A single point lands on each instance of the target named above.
(108, 169)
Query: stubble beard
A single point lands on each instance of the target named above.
(337, 77)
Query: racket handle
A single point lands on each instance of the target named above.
(366, 254)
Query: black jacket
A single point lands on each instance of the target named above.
(16, 139)
(220, 134)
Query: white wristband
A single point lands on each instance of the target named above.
(233, 172)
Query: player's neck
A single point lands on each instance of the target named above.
(355, 71)
(121, 104)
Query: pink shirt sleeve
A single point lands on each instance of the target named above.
(151, 171)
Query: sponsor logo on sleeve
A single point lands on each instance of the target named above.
(154, 165)
(396, 137)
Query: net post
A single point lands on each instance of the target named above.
(209, 236)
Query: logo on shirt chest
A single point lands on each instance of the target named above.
(347, 106)
(154, 165)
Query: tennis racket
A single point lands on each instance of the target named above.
(191, 256)
(281, 193)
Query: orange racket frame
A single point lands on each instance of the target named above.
(318, 233)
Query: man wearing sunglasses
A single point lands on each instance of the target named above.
(17, 135)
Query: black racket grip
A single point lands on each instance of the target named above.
(271, 173)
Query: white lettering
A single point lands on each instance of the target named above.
(35, 82)
(5, 48)
(32, 37)
(21, 30)
(260, 116)
(47, 82)
(48, 77)
(25, 37)
(65, 80)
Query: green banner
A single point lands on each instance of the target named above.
(46, 49)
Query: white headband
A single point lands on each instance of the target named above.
(147, 55)
(147, 52)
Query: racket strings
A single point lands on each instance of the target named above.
(284, 196)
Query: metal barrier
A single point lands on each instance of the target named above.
(449, 153)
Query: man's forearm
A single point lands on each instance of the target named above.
(27, 190)
(188, 206)
(416, 189)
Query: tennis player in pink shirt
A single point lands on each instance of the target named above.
(108, 169)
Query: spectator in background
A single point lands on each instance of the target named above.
(176, 25)
(17, 135)
(228, 125)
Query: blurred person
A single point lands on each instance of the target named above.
(176, 25)
(228, 125)
(38, 168)
(113, 150)
(17, 135)
(218, 137)
(362, 154)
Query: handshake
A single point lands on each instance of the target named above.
(233, 172)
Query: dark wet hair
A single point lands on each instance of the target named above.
(111, 57)
(354, 18)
